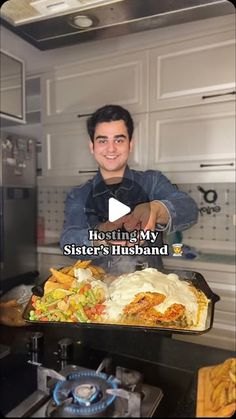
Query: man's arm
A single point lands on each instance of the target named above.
(77, 223)
(169, 209)
(182, 208)
(76, 226)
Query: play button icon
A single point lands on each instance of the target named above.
(116, 209)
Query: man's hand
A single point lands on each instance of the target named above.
(146, 216)
(110, 226)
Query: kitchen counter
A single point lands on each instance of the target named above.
(215, 261)
(171, 364)
(50, 246)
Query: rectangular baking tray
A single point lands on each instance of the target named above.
(195, 278)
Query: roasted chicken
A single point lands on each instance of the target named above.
(142, 308)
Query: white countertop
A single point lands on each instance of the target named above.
(49, 248)
(215, 262)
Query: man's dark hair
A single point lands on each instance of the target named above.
(110, 113)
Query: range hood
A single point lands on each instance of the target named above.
(49, 24)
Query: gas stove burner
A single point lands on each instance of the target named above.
(84, 394)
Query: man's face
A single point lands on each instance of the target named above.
(111, 148)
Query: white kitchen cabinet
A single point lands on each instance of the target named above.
(221, 280)
(197, 71)
(12, 89)
(195, 144)
(82, 87)
(66, 154)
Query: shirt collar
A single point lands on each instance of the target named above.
(100, 187)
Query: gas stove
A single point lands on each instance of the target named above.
(76, 391)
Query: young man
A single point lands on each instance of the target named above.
(156, 205)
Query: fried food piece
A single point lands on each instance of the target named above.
(143, 301)
(231, 392)
(223, 379)
(82, 264)
(218, 396)
(61, 277)
(52, 278)
(66, 270)
(100, 270)
(232, 376)
(220, 369)
(174, 312)
(79, 264)
(97, 273)
(51, 285)
(71, 270)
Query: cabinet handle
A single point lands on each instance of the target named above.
(216, 164)
(87, 171)
(83, 115)
(218, 94)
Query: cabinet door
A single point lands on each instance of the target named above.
(193, 72)
(81, 88)
(194, 144)
(12, 89)
(65, 149)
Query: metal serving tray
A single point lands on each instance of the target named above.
(194, 277)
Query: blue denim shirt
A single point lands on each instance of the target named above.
(87, 206)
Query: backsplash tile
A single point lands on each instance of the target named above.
(216, 204)
(51, 202)
(215, 222)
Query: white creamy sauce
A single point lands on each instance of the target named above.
(83, 274)
(123, 290)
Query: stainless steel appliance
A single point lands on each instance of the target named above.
(17, 209)
(49, 24)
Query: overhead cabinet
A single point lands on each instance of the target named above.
(193, 72)
(12, 89)
(83, 87)
(194, 144)
(180, 94)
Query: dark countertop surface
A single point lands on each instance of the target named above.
(165, 362)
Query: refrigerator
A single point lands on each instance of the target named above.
(17, 210)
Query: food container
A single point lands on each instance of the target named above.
(194, 277)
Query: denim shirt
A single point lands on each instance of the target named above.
(86, 206)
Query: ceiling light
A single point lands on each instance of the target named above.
(46, 7)
(82, 21)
